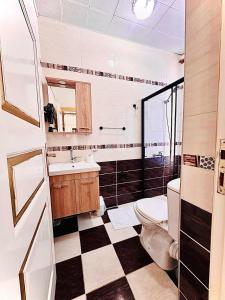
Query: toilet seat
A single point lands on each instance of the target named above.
(154, 209)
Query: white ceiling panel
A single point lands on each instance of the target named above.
(98, 21)
(107, 6)
(140, 34)
(166, 42)
(124, 10)
(164, 29)
(120, 27)
(172, 23)
(82, 2)
(179, 4)
(74, 14)
(50, 8)
(167, 2)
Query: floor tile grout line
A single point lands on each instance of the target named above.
(125, 274)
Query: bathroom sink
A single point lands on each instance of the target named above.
(70, 168)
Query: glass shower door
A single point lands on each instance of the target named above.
(162, 135)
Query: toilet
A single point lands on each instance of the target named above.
(159, 217)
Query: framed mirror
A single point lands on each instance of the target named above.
(61, 112)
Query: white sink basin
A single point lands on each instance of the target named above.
(70, 168)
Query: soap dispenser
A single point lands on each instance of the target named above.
(90, 157)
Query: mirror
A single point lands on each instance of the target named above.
(60, 111)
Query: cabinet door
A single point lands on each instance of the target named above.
(84, 107)
(63, 198)
(87, 194)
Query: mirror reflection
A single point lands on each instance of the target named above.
(60, 112)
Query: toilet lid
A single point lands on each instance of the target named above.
(154, 208)
(174, 185)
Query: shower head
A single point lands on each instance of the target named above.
(166, 101)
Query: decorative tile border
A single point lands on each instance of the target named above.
(204, 162)
(90, 147)
(106, 146)
(101, 74)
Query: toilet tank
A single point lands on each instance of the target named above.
(173, 200)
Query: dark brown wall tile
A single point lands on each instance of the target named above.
(191, 287)
(111, 201)
(153, 173)
(195, 258)
(130, 164)
(107, 167)
(168, 171)
(181, 297)
(130, 187)
(153, 192)
(196, 222)
(108, 191)
(129, 176)
(107, 179)
(154, 162)
(153, 183)
(122, 199)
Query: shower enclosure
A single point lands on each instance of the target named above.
(162, 118)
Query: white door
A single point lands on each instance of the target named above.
(27, 269)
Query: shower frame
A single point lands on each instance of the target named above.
(173, 88)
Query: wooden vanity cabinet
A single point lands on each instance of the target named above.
(63, 198)
(87, 193)
(74, 193)
(84, 107)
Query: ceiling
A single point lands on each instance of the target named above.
(164, 29)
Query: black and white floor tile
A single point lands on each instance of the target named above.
(98, 262)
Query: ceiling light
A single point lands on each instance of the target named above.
(143, 8)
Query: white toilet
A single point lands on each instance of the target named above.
(159, 217)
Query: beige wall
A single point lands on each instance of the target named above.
(202, 59)
(217, 277)
(203, 127)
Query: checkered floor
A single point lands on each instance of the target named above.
(97, 262)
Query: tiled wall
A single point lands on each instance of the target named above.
(136, 72)
(194, 251)
(121, 181)
(202, 56)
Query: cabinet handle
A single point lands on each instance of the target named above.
(64, 185)
(57, 186)
(60, 186)
(88, 182)
(85, 128)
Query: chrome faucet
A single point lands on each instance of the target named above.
(72, 156)
(159, 154)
